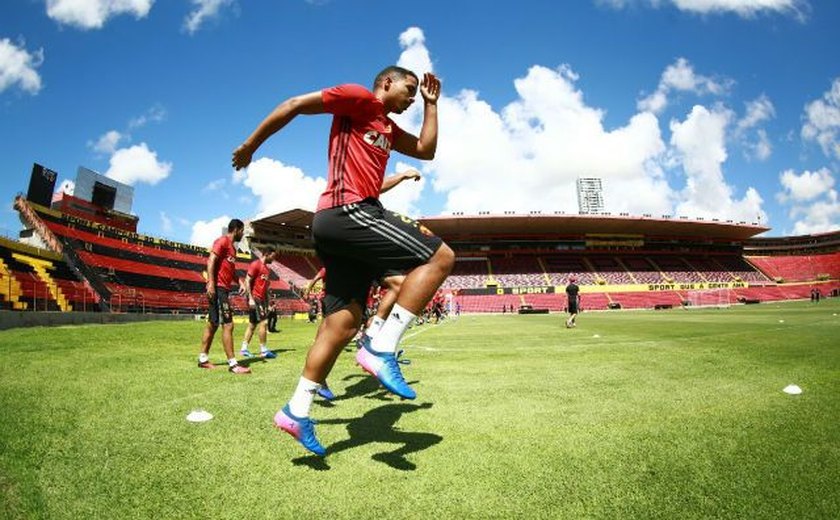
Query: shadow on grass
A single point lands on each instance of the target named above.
(379, 426)
(259, 359)
(366, 386)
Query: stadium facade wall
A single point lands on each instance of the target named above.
(16, 319)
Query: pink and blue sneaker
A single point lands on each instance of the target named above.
(301, 428)
(385, 367)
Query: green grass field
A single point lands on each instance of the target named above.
(668, 414)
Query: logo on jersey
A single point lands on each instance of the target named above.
(378, 140)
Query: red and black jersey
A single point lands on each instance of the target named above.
(225, 274)
(361, 138)
(259, 273)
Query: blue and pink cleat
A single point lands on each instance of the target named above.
(325, 392)
(385, 367)
(301, 428)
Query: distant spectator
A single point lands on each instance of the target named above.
(573, 296)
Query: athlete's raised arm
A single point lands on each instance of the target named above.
(425, 146)
(286, 111)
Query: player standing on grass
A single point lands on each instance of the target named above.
(256, 288)
(355, 237)
(573, 297)
(221, 274)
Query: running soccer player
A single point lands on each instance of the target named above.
(221, 274)
(390, 282)
(256, 288)
(355, 237)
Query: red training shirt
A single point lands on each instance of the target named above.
(360, 144)
(259, 273)
(226, 268)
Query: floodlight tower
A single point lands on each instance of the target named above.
(590, 195)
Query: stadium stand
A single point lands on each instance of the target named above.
(88, 256)
(517, 271)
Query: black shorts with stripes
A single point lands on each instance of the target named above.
(358, 243)
(258, 312)
(219, 312)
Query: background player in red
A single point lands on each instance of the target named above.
(256, 289)
(355, 237)
(221, 275)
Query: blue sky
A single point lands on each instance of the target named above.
(724, 109)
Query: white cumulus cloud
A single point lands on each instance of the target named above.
(680, 77)
(758, 111)
(204, 232)
(820, 216)
(137, 164)
(203, 10)
(743, 8)
(107, 142)
(822, 121)
(699, 143)
(278, 187)
(92, 14)
(18, 67)
(805, 186)
(155, 114)
(528, 155)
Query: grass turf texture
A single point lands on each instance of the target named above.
(668, 414)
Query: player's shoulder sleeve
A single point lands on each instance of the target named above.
(396, 131)
(253, 269)
(219, 246)
(348, 99)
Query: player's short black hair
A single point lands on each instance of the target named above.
(235, 224)
(393, 71)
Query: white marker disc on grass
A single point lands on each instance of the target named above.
(792, 390)
(199, 416)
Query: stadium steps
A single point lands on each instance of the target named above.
(598, 278)
(724, 268)
(629, 272)
(694, 269)
(40, 267)
(56, 244)
(544, 270)
(659, 269)
(10, 288)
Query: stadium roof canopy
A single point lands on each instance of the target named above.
(536, 225)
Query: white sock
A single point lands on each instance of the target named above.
(375, 326)
(203, 358)
(263, 348)
(391, 332)
(244, 345)
(232, 362)
(301, 400)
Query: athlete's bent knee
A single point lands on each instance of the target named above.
(444, 258)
